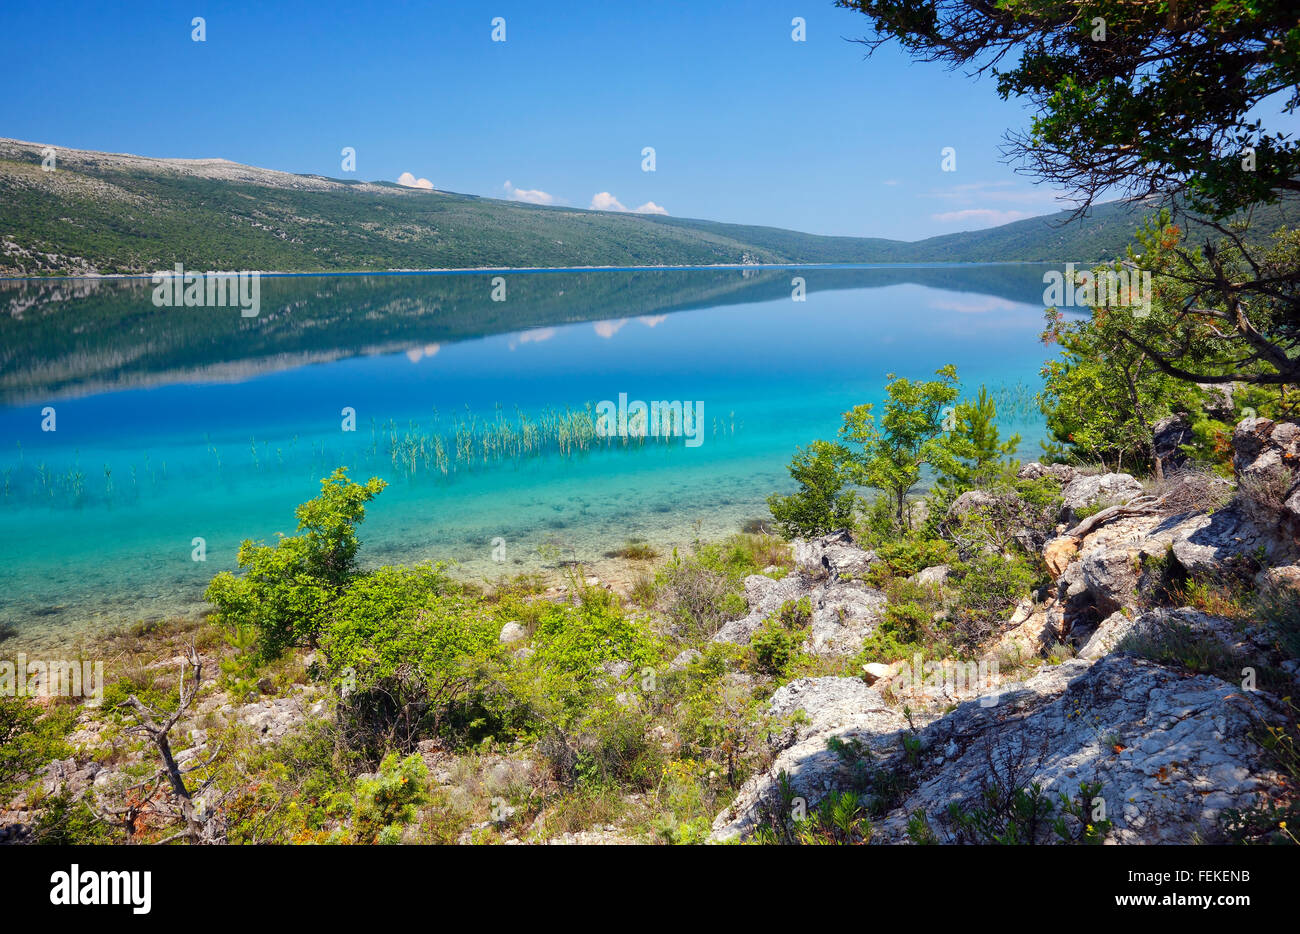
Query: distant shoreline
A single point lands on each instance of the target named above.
(533, 270)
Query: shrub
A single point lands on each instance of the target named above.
(286, 591)
(388, 801)
(988, 587)
(29, 738)
(404, 653)
(701, 592)
(821, 504)
(776, 642)
(906, 556)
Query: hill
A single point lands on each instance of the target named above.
(111, 213)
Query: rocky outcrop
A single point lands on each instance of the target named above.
(1061, 473)
(1168, 436)
(834, 556)
(1084, 491)
(1266, 458)
(1261, 446)
(970, 503)
(1171, 751)
(845, 609)
(843, 707)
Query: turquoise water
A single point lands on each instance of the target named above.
(177, 424)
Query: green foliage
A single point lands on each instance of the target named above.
(905, 555)
(776, 642)
(287, 591)
(988, 586)
(912, 434)
(576, 640)
(1102, 395)
(404, 650)
(239, 669)
(978, 449)
(29, 738)
(908, 625)
(840, 819)
(702, 591)
(387, 802)
(68, 821)
(1163, 100)
(1028, 815)
(821, 504)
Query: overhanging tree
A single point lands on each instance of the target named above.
(1152, 100)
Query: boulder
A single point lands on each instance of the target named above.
(1121, 632)
(512, 632)
(764, 597)
(845, 610)
(843, 615)
(1061, 473)
(1276, 582)
(1171, 751)
(935, 576)
(972, 501)
(843, 707)
(1089, 490)
(833, 555)
(1261, 446)
(875, 671)
(1219, 402)
(1168, 435)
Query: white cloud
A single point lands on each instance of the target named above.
(529, 195)
(416, 354)
(608, 329)
(604, 201)
(974, 307)
(408, 180)
(532, 336)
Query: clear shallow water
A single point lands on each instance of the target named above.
(176, 424)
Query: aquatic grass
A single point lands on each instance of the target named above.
(474, 442)
(437, 448)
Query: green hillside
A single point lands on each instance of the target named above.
(104, 213)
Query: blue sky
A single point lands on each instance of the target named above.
(748, 126)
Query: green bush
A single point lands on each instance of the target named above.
(701, 592)
(776, 642)
(286, 591)
(29, 738)
(988, 587)
(405, 653)
(388, 802)
(821, 504)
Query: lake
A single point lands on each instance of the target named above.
(177, 424)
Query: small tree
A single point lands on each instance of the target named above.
(821, 504)
(977, 444)
(913, 433)
(287, 590)
(1102, 395)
